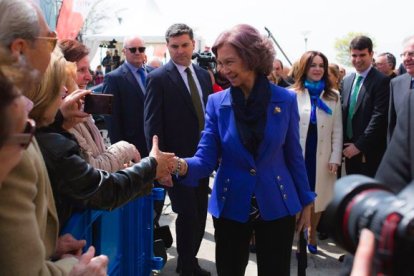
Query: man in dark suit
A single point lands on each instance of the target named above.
(401, 85)
(364, 111)
(127, 84)
(174, 110)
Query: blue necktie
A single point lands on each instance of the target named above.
(352, 102)
(412, 84)
(141, 73)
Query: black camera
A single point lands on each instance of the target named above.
(362, 202)
(205, 60)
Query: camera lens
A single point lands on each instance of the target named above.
(362, 202)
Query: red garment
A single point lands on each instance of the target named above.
(217, 88)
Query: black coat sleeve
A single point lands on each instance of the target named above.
(74, 179)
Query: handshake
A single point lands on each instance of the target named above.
(168, 164)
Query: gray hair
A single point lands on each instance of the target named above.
(18, 19)
(407, 40)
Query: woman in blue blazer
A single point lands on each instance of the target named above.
(252, 129)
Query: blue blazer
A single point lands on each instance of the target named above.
(277, 177)
(127, 119)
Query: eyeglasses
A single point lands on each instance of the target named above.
(23, 139)
(409, 54)
(52, 40)
(134, 49)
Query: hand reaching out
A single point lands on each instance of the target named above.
(165, 160)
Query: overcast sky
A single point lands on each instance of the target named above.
(388, 22)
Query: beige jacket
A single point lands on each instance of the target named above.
(329, 145)
(94, 152)
(28, 220)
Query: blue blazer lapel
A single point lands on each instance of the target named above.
(229, 123)
(275, 114)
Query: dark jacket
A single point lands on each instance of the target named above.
(77, 185)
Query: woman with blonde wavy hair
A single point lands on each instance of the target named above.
(77, 185)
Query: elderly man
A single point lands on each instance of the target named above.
(127, 84)
(28, 217)
(385, 63)
(401, 85)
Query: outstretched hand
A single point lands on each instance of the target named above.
(165, 160)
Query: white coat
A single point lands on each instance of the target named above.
(329, 145)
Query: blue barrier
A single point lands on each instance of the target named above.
(125, 235)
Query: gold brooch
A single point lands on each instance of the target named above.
(277, 110)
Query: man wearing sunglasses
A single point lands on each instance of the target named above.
(127, 84)
(28, 216)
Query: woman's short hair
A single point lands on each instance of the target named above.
(49, 88)
(254, 49)
(73, 50)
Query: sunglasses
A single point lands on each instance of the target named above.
(52, 39)
(23, 139)
(134, 49)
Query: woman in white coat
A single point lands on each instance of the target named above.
(320, 131)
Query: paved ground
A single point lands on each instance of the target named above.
(324, 263)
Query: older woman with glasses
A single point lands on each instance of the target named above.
(261, 183)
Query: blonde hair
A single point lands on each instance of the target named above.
(50, 86)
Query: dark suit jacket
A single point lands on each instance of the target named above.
(127, 119)
(397, 167)
(399, 87)
(169, 111)
(369, 123)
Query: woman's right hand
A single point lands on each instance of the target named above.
(165, 160)
(71, 108)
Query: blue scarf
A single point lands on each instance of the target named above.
(315, 89)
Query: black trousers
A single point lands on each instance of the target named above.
(273, 246)
(190, 204)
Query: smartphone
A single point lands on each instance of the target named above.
(98, 103)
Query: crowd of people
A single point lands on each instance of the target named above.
(276, 140)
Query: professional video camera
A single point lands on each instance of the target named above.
(205, 60)
(362, 202)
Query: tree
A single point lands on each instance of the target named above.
(99, 16)
(342, 47)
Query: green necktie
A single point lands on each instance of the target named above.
(195, 98)
(352, 103)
